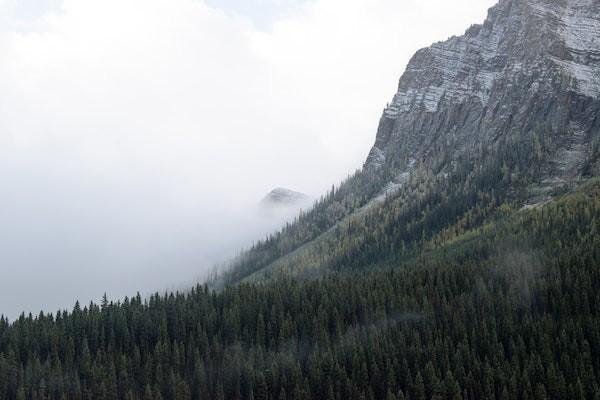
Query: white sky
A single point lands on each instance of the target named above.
(136, 136)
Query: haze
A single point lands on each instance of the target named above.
(138, 136)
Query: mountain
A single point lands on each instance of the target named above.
(529, 73)
(461, 262)
(281, 205)
(505, 114)
(281, 197)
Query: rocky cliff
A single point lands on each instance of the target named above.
(532, 68)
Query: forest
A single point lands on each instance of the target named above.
(508, 309)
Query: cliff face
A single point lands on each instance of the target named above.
(532, 67)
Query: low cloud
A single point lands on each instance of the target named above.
(137, 136)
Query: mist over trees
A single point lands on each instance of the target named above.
(509, 311)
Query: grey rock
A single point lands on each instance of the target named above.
(533, 65)
(284, 197)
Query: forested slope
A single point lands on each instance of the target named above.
(428, 209)
(509, 311)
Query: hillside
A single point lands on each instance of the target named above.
(506, 311)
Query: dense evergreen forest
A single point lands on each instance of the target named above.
(505, 308)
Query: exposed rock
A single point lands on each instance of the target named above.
(281, 197)
(532, 66)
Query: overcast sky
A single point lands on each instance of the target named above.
(137, 136)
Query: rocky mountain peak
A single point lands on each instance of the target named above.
(533, 66)
(284, 197)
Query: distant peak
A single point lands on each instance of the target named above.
(284, 197)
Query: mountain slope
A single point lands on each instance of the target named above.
(508, 311)
(505, 114)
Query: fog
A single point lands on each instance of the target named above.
(137, 137)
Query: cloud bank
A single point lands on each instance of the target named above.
(137, 136)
